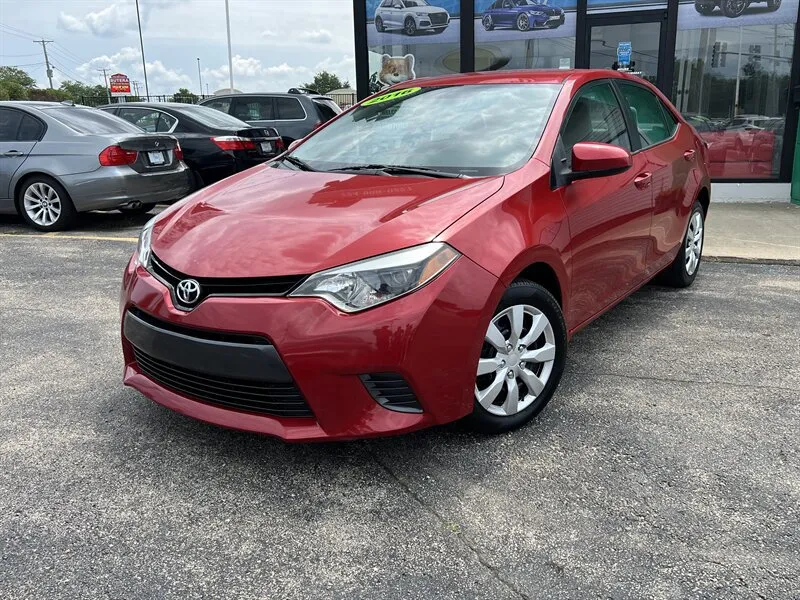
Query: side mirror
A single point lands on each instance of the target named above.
(593, 159)
(294, 145)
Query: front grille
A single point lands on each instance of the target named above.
(391, 391)
(438, 18)
(226, 286)
(276, 399)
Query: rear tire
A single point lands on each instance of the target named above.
(136, 210)
(704, 9)
(683, 270)
(379, 25)
(488, 23)
(410, 27)
(522, 359)
(45, 205)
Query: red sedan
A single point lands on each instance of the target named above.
(424, 257)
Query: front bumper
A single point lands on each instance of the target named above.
(428, 337)
(112, 187)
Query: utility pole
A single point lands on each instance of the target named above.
(199, 76)
(44, 43)
(105, 78)
(141, 45)
(230, 56)
(136, 88)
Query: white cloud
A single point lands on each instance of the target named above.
(268, 34)
(114, 20)
(319, 36)
(161, 79)
(70, 23)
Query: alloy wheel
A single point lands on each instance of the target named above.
(736, 7)
(42, 204)
(411, 27)
(487, 22)
(522, 23)
(694, 242)
(516, 360)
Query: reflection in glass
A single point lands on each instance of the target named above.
(732, 84)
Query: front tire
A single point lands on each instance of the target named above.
(733, 8)
(704, 9)
(523, 23)
(522, 359)
(488, 23)
(683, 270)
(45, 205)
(410, 27)
(379, 25)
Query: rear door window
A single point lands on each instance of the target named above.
(253, 109)
(289, 109)
(221, 104)
(9, 124)
(647, 114)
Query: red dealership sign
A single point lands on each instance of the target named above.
(120, 85)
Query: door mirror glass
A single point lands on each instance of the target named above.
(595, 159)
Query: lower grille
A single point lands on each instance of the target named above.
(438, 18)
(276, 399)
(391, 391)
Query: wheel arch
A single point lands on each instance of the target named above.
(704, 198)
(21, 179)
(542, 265)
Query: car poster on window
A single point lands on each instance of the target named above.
(607, 6)
(711, 14)
(504, 20)
(413, 22)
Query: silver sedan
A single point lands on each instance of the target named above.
(57, 159)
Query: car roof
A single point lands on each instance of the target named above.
(40, 104)
(258, 94)
(148, 105)
(522, 76)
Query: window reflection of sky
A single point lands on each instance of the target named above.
(476, 129)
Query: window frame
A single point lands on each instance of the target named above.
(146, 109)
(617, 85)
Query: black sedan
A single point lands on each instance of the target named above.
(215, 145)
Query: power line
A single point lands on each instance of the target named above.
(105, 78)
(19, 55)
(25, 65)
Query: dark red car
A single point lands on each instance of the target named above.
(422, 258)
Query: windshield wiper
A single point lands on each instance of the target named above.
(401, 170)
(300, 164)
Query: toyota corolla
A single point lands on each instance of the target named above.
(422, 258)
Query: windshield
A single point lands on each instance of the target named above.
(90, 120)
(527, 3)
(211, 117)
(473, 130)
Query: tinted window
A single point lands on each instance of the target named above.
(647, 113)
(223, 104)
(30, 130)
(253, 109)
(9, 124)
(387, 3)
(166, 122)
(212, 118)
(152, 121)
(596, 117)
(326, 113)
(425, 127)
(90, 120)
(289, 108)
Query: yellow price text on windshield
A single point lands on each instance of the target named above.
(392, 96)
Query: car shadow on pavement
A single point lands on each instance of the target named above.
(94, 222)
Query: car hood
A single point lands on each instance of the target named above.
(426, 9)
(548, 10)
(266, 221)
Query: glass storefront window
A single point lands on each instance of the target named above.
(732, 84)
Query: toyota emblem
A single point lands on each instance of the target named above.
(188, 292)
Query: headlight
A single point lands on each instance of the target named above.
(421, 14)
(536, 13)
(373, 281)
(143, 249)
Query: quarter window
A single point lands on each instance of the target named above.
(647, 114)
(596, 117)
(30, 130)
(289, 109)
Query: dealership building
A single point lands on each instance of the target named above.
(730, 66)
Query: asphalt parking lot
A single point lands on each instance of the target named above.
(666, 466)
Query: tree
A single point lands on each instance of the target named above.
(13, 75)
(185, 96)
(80, 92)
(325, 82)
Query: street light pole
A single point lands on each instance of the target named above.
(230, 56)
(141, 45)
(199, 76)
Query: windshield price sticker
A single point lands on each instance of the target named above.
(392, 96)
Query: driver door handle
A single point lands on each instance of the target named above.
(643, 180)
(12, 153)
(689, 155)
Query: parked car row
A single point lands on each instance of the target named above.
(59, 159)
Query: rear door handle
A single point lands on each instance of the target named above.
(643, 180)
(689, 155)
(12, 153)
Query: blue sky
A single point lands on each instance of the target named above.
(276, 43)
